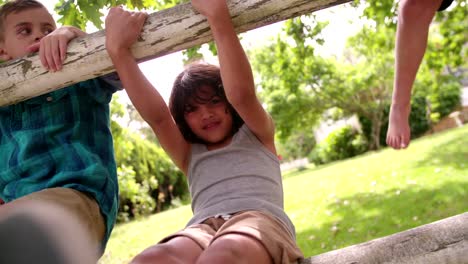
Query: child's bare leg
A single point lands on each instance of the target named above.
(178, 250)
(414, 19)
(235, 248)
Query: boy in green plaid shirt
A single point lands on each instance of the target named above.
(57, 165)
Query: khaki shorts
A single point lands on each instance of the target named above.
(268, 230)
(81, 206)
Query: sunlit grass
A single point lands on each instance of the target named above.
(347, 202)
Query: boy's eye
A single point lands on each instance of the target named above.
(48, 31)
(24, 31)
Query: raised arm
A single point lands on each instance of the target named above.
(122, 30)
(236, 72)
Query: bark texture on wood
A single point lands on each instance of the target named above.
(165, 32)
(441, 242)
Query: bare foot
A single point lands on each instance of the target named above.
(398, 134)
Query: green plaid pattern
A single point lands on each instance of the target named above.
(61, 139)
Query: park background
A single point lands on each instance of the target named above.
(326, 78)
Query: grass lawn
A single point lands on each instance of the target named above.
(348, 202)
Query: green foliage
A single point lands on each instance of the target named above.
(419, 116)
(287, 74)
(381, 12)
(293, 79)
(117, 109)
(79, 12)
(452, 48)
(297, 145)
(71, 15)
(446, 96)
(136, 120)
(451, 27)
(419, 120)
(192, 54)
(372, 41)
(436, 91)
(342, 143)
(441, 91)
(153, 180)
(433, 98)
(363, 84)
(134, 197)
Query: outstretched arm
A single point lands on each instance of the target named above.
(122, 30)
(414, 18)
(236, 72)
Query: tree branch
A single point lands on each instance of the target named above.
(165, 32)
(441, 242)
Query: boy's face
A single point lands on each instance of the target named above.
(23, 29)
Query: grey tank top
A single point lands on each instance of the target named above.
(241, 176)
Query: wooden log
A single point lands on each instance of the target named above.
(165, 32)
(441, 242)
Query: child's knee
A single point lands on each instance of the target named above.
(235, 248)
(161, 253)
(416, 9)
(56, 231)
(78, 205)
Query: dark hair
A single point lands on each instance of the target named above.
(187, 87)
(13, 7)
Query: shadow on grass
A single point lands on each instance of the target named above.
(366, 216)
(452, 152)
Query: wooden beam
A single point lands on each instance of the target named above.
(441, 242)
(165, 32)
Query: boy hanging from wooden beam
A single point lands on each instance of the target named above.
(57, 168)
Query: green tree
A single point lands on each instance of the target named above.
(287, 73)
(297, 86)
(135, 120)
(79, 12)
(436, 91)
(450, 30)
(344, 142)
(298, 145)
(453, 48)
(367, 79)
